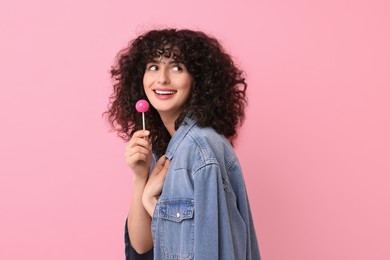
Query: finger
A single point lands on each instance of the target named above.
(161, 161)
(162, 170)
(135, 150)
(165, 168)
(136, 158)
(159, 165)
(141, 133)
(166, 164)
(136, 141)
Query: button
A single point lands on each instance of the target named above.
(178, 215)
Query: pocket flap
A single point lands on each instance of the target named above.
(176, 209)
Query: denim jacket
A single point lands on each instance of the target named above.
(203, 211)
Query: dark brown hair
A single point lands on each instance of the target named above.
(218, 93)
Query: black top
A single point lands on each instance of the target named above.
(131, 254)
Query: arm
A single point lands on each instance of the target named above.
(131, 254)
(220, 232)
(138, 156)
(139, 221)
(206, 227)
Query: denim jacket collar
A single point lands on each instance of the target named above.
(181, 132)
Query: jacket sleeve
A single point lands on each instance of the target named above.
(130, 253)
(220, 232)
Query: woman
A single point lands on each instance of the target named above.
(189, 198)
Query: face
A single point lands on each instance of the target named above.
(167, 85)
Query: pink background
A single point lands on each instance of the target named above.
(315, 147)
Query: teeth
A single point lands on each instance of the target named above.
(165, 92)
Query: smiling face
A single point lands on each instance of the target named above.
(167, 85)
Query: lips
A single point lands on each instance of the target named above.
(164, 92)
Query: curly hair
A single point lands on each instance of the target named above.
(218, 92)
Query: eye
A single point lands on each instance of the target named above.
(177, 68)
(152, 67)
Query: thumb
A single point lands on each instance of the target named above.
(166, 164)
(164, 170)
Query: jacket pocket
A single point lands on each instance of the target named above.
(177, 228)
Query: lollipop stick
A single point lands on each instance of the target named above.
(143, 121)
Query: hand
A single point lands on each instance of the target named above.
(138, 154)
(155, 184)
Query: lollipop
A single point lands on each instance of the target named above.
(142, 106)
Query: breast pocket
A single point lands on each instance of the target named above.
(177, 228)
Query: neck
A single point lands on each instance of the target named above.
(169, 123)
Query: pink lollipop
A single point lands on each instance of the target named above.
(142, 106)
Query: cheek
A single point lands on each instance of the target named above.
(146, 81)
(186, 83)
(189, 85)
(187, 90)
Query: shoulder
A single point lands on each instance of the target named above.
(203, 146)
(206, 137)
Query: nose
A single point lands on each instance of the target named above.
(163, 77)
